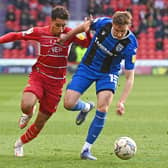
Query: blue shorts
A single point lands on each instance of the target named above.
(84, 77)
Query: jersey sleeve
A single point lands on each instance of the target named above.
(12, 36)
(130, 56)
(31, 34)
(82, 40)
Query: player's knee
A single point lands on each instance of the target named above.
(102, 108)
(26, 107)
(68, 105)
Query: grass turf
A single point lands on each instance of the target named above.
(60, 142)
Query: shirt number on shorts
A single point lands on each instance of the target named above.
(113, 78)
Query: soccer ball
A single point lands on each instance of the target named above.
(125, 148)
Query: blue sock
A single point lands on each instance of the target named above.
(96, 127)
(79, 106)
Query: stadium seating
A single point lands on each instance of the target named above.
(146, 38)
(33, 15)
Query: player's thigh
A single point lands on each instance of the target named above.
(107, 82)
(33, 90)
(105, 89)
(104, 99)
(49, 103)
(79, 83)
(28, 99)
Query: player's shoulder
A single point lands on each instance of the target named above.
(38, 30)
(43, 29)
(100, 22)
(133, 39)
(103, 20)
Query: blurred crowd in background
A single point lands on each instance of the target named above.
(150, 24)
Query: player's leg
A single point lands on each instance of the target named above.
(32, 92)
(73, 103)
(105, 89)
(28, 102)
(104, 100)
(71, 99)
(30, 133)
(48, 105)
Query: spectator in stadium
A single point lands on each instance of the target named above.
(112, 42)
(142, 28)
(31, 50)
(10, 15)
(25, 19)
(48, 73)
(165, 30)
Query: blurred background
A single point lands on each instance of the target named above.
(150, 25)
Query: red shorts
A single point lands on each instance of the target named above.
(47, 90)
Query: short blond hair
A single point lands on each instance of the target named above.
(122, 18)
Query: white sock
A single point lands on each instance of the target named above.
(18, 142)
(87, 107)
(86, 146)
(25, 115)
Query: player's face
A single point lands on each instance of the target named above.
(119, 31)
(57, 26)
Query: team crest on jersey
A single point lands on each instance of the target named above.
(119, 47)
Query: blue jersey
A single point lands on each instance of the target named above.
(105, 53)
(102, 60)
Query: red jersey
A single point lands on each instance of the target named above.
(52, 57)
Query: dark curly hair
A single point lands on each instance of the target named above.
(60, 12)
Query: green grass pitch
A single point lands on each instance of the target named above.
(60, 142)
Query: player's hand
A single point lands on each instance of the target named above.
(87, 22)
(120, 108)
(63, 38)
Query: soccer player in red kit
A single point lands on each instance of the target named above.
(48, 74)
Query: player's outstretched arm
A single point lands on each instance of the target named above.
(84, 27)
(12, 36)
(129, 74)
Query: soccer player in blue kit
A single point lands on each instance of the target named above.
(112, 42)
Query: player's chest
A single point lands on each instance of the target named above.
(51, 46)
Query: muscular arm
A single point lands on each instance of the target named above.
(12, 36)
(129, 74)
(84, 27)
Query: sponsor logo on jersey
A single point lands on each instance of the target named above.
(56, 49)
(103, 48)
